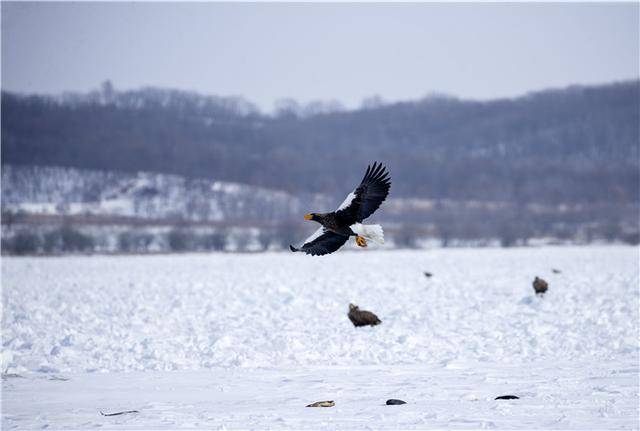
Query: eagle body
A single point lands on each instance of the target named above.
(540, 286)
(335, 223)
(338, 226)
(362, 317)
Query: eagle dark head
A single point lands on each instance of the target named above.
(312, 216)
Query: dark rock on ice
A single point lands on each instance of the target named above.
(322, 404)
(394, 402)
(507, 397)
(119, 413)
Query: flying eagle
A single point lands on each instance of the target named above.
(346, 221)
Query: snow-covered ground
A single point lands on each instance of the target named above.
(246, 341)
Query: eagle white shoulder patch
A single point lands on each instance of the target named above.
(347, 201)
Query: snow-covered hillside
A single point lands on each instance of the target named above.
(69, 191)
(246, 341)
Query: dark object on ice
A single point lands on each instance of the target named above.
(59, 378)
(322, 404)
(393, 402)
(362, 317)
(337, 226)
(118, 413)
(6, 376)
(540, 286)
(556, 271)
(507, 397)
(428, 274)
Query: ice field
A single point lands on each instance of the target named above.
(245, 341)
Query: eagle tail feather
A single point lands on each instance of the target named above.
(373, 232)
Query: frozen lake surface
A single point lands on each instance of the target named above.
(246, 341)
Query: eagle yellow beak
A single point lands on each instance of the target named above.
(308, 217)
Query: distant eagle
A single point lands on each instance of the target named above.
(346, 221)
(540, 286)
(362, 317)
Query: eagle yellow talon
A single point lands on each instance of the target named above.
(361, 241)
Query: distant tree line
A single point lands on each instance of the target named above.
(577, 145)
(61, 240)
(459, 229)
(73, 237)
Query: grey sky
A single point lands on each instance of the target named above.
(318, 51)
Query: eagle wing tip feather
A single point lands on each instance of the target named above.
(292, 248)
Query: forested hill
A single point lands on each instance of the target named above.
(573, 145)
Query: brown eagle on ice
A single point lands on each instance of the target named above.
(540, 286)
(362, 317)
(346, 221)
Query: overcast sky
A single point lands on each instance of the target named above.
(318, 51)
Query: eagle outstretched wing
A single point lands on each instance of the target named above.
(367, 197)
(322, 242)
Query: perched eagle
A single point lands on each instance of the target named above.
(540, 286)
(362, 317)
(346, 221)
